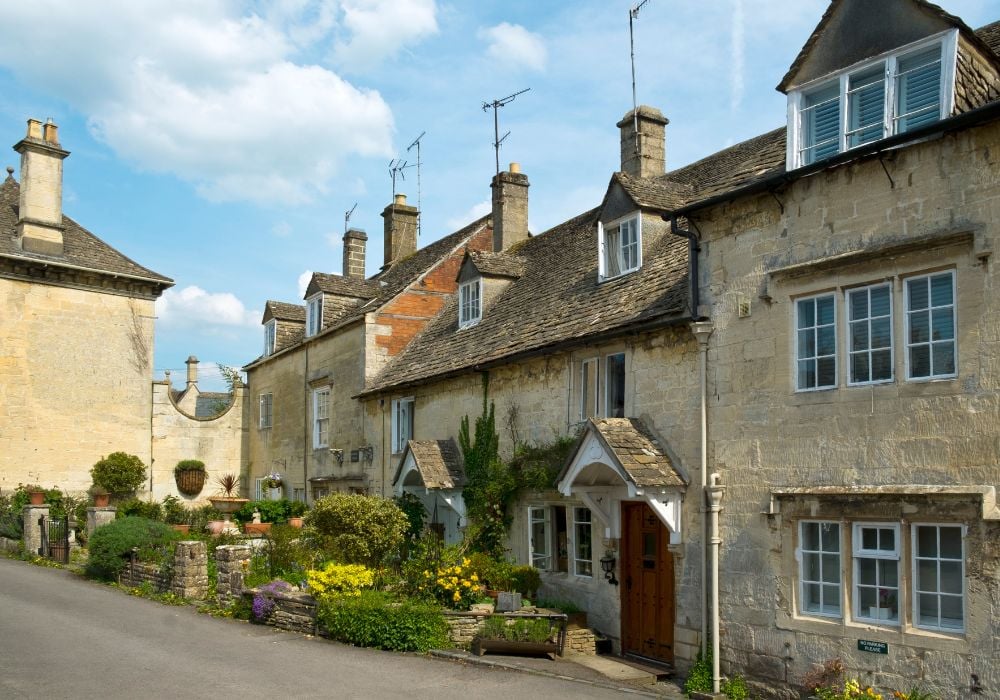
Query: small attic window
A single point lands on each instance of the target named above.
(470, 303)
(891, 94)
(270, 329)
(619, 246)
(314, 314)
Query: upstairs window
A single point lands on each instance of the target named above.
(930, 326)
(265, 412)
(893, 94)
(314, 315)
(615, 383)
(470, 305)
(402, 423)
(321, 417)
(815, 343)
(620, 245)
(270, 329)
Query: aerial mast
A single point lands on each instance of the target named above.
(496, 105)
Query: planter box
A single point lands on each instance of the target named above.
(502, 646)
(256, 528)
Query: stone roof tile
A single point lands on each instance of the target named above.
(638, 451)
(439, 462)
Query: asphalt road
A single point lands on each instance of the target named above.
(65, 637)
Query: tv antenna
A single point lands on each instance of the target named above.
(633, 14)
(347, 216)
(397, 167)
(496, 105)
(420, 209)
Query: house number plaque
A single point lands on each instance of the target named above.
(873, 647)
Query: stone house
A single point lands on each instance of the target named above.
(76, 332)
(802, 324)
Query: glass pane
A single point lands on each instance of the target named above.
(887, 539)
(866, 105)
(859, 336)
(859, 304)
(881, 333)
(859, 368)
(880, 301)
(810, 567)
(942, 324)
(807, 343)
(927, 541)
(867, 599)
(920, 327)
(869, 538)
(807, 314)
(831, 599)
(951, 577)
(826, 371)
(881, 365)
(918, 92)
(807, 374)
(616, 386)
(824, 310)
(648, 545)
(920, 362)
(831, 568)
(810, 536)
(927, 575)
(951, 542)
(888, 573)
(821, 123)
(811, 599)
(951, 612)
(866, 572)
(831, 537)
(927, 609)
(941, 290)
(918, 293)
(825, 341)
(944, 358)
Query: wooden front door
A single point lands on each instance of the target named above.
(647, 585)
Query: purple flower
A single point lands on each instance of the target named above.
(263, 603)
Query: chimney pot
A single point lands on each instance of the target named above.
(50, 133)
(40, 220)
(400, 199)
(34, 129)
(515, 167)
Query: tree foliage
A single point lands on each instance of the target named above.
(120, 473)
(490, 486)
(356, 529)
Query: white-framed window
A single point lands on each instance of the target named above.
(314, 314)
(939, 577)
(270, 331)
(876, 572)
(265, 408)
(258, 488)
(894, 93)
(589, 381)
(540, 537)
(299, 495)
(614, 385)
(402, 423)
(470, 305)
(816, 343)
(321, 417)
(583, 551)
(869, 334)
(930, 326)
(820, 578)
(620, 246)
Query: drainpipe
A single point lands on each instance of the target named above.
(715, 492)
(305, 425)
(702, 330)
(693, 250)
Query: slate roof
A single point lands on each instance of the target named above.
(558, 299)
(211, 404)
(990, 34)
(490, 264)
(342, 286)
(637, 450)
(81, 247)
(661, 194)
(439, 463)
(284, 312)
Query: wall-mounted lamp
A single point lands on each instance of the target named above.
(608, 567)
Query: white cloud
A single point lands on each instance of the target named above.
(379, 29)
(474, 212)
(207, 89)
(513, 45)
(192, 306)
(282, 229)
(303, 281)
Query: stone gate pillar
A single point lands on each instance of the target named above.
(232, 562)
(190, 578)
(99, 516)
(32, 530)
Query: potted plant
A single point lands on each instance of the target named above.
(189, 474)
(100, 495)
(227, 502)
(542, 635)
(120, 473)
(36, 494)
(175, 514)
(272, 483)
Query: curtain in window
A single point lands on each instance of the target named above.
(918, 90)
(612, 252)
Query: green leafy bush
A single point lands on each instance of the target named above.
(277, 512)
(495, 574)
(525, 580)
(735, 688)
(415, 514)
(198, 518)
(134, 507)
(356, 529)
(111, 545)
(517, 630)
(567, 607)
(375, 620)
(699, 679)
(189, 465)
(174, 512)
(119, 473)
(490, 486)
(285, 555)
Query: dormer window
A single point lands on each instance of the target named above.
(892, 94)
(314, 314)
(470, 303)
(620, 244)
(270, 329)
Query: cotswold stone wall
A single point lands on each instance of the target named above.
(231, 564)
(74, 382)
(944, 198)
(135, 575)
(186, 576)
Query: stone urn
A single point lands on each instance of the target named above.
(227, 505)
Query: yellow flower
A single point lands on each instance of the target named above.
(457, 597)
(474, 578)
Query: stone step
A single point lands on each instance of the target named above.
(614, 669)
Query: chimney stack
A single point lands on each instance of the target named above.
(510, 208)
(650, 159)
(192, 372)
(400, 230)
(355, 241)
(40, 220)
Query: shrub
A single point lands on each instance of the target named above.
(490, 485)
(119, 473)
(735, 688)
(286, 555)
(495, 574)
(140, 509)
(375, 620)
(454, 586)
(415, 514)
(111, 545)
(567, 607)
(277, 512)
(356, 529)
(189, 465)
(339, 579)
(699, 679)
(517, 630)
(174, 512)
(525, 580)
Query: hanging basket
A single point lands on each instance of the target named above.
(190, 482)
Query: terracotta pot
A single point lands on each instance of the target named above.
(216, 526)
(256, 528)
(37, 498)
(295, 522)
(182, 528)
(101, 500)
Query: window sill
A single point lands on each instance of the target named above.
(621, 275)
(891, 634)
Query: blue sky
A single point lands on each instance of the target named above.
(219, 142)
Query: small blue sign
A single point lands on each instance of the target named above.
(873, 647)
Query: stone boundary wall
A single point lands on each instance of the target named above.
(134, 575)
(463, 626)
(293, 612)
(581, 640)
(187, 578)
(9, 545)
(231, 563)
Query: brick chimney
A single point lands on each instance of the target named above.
(40, 220)
(510, 208)
(355, 241)
(650, 159)
(192, 372)
(400, 230)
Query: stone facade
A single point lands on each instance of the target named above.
(189, 577)
(137, 574)
(231, 563)
(293, 612)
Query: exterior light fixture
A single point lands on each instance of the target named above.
(608, 567)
